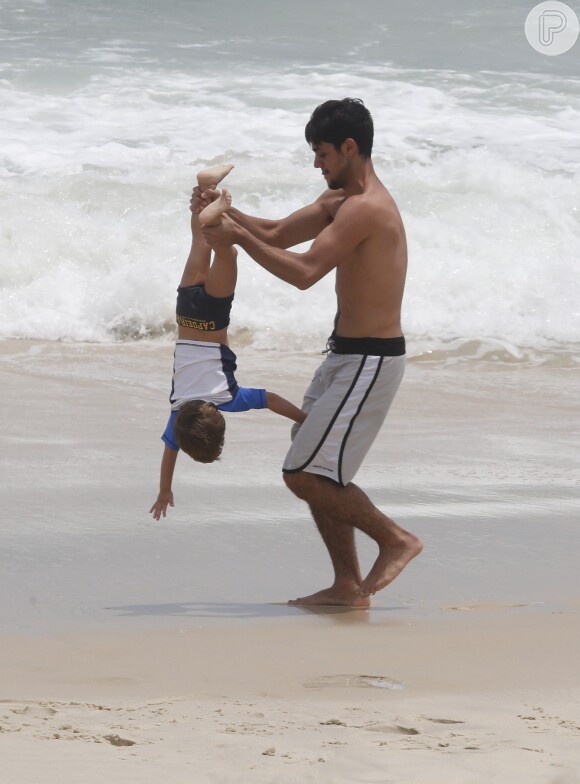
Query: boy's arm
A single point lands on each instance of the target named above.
(280, 405)
(165, 497)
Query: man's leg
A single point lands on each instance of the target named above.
(337, 511)
(339, 541)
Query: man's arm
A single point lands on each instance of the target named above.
(300, 226)
(335, 243)
(165, 497)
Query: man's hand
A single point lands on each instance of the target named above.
(222, 236)
(164, 499)
(200, 199)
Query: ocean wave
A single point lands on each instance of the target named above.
(488, 351)
(95, 183)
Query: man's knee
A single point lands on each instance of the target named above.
(305, 485)
(291, 481)
(297, 482)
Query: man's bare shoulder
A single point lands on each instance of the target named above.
(331, 200)
(363, 207)
(373, 206)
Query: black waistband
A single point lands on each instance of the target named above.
(376, 347)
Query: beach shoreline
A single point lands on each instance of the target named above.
(169, 646)
(475, 458)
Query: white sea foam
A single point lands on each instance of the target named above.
(95, 174)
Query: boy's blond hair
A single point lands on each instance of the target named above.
(199, 430)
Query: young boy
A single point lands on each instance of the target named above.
(203, 383)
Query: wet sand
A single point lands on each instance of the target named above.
(168, 646)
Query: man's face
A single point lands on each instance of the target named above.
(333, 164)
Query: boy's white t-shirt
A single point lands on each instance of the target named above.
(204, 370)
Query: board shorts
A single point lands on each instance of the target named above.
(346, 404)
(199, 310)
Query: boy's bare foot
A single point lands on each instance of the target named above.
(209, 178)
(212, 214)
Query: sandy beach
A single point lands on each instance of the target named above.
(328, 698)
(135, 651)
(166, 650)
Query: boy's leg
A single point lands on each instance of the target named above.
(198, 261)
(197, 264)
(219, 278)
(223, 273)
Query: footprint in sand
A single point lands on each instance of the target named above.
(116, 740)
(354, 682)
(443, 721)
(483, 606)
(34, 710)
(396, 729)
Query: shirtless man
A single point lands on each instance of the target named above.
(357, 231)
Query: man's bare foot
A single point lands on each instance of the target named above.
(209, 178)
(212, 214)
(334, 597)
(390, 562)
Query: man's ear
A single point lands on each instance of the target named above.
(349, 148)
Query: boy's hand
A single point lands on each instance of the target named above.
(164, 499)
(200, 199)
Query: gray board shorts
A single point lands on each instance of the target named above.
(347, 402)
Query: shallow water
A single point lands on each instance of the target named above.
(481, 465)
(108, 109)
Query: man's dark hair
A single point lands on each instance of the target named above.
(335, 121)
(199, 430)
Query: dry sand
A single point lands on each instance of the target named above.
(135, 652)
(492, 697)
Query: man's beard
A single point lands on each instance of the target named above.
(335, 185)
